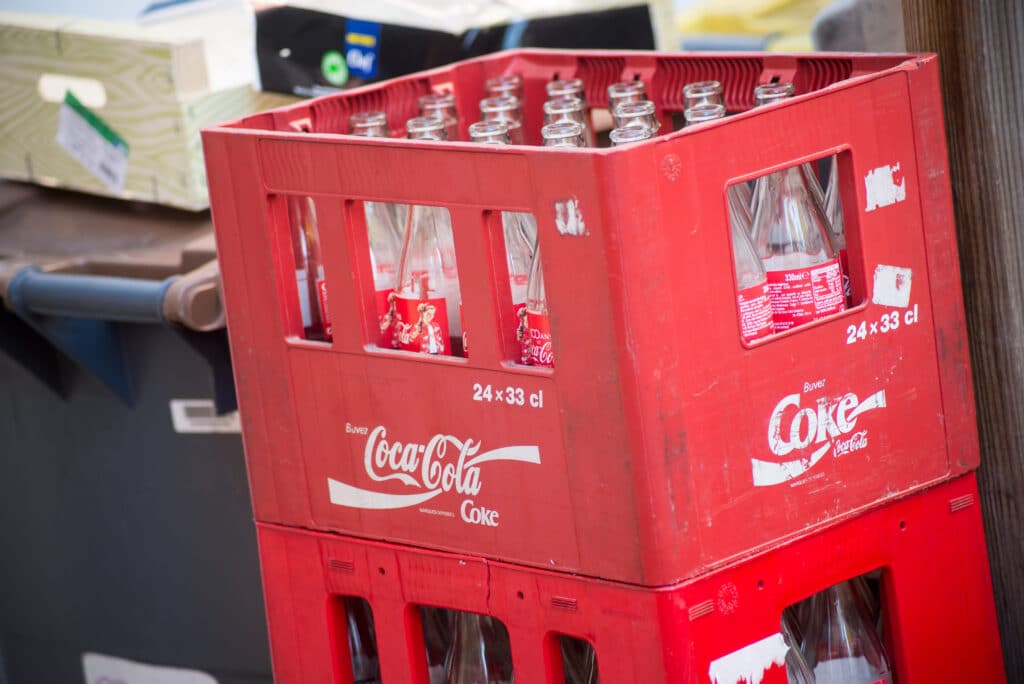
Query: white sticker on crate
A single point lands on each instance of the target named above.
(892, 286)
(105, 669)
(88, 139)
(748, 665)
(199, 416)
(884, 186)
(568, 218)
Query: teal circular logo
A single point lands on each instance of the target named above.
(334, 68)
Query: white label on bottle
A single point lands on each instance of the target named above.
(857, 670)
(748, 664)
(892, 286)
(302, 283)
(104, 669)
(199, 416)
(884, 186)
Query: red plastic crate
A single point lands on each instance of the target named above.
(646, 455)
(940, 626)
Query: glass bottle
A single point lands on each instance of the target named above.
(834, 214)
(507, 85)
(771, 93)
(384, 232)
(442, 106)
(630, 134)
(702, 92)
(637, 113)
(790, 234)
(625, 91)
(569, 87)
(569, 108)
(797, 669)
(504, 108)
(424, 309)
(752, 291)
(361, 641)
(841, 645)
(438, 636)
(309, 269)
(534, 331)
(579, 662)
(479, 653)
(520, 228)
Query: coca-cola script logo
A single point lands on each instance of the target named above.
(811, 432)
(443, 464)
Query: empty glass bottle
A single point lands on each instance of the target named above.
(638, 113)
(625, 91)
(507, 85)
(479, 653)
(504, 108)
(385, 234)
(702, 92)
(569, 108)
(752, 291)
(579, 661)
(442, 106)
(362, 642)
(797, 669)
(834, 214)
(790, 234)
(424, 309)
(840, 644)
(520, 228)
(309, 269)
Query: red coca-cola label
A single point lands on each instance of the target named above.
(537, 341)
(465, 337)
(321, 289)
(755, 307)
(802, 295)
(420, 325)
(844, 264)
(385, 316)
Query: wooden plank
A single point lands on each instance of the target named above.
(981, 56)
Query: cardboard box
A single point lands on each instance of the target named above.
(115, 108)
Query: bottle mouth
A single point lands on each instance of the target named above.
(627, 88)
(563, 105)
(773, 92)
(361, 121)
(491, 132)
(630, 134)
(702, 88)
(562, 133)
(703, 112)
(437, 100)
(564, 87)
(509, 84)
(499, 103)
(426, 128)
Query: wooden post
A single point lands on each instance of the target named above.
(981, 55)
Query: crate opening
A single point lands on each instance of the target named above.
(838, 634)
(421, 311)
(794, 249)
(579, 662)
(354, 619)
(465, 647)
